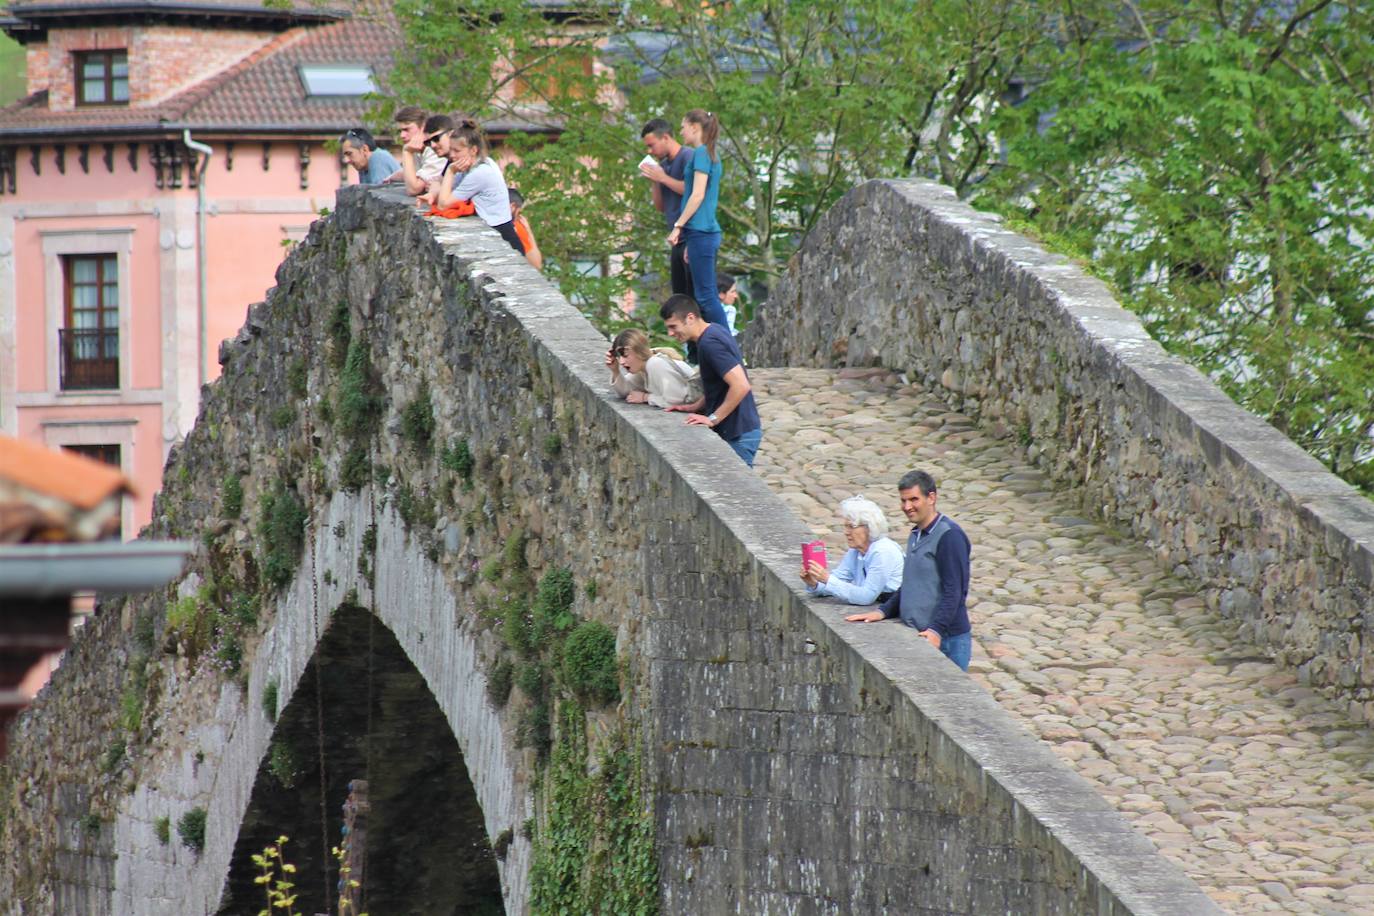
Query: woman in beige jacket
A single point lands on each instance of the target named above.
(642, 375)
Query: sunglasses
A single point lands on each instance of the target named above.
(619, 351)
(429, 141)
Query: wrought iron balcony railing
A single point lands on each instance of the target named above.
(90, 358)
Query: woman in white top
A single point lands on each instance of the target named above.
(872, 567)
(475, 176)
(642, 376)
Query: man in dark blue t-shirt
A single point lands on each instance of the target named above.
(669, 178)
(727, 401)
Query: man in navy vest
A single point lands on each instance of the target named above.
(934, 594)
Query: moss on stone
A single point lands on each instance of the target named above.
(356, 469)
(358, 404)
(458, 458)
(231, 497)
(281, 527)
(417, 421)
(590, 670)
(191, 829)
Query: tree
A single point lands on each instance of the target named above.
(1214, 163)
(813, 98)
(1211, 160)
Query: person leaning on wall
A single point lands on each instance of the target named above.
(871, 569)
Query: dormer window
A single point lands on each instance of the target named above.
(102, 78)
(337, 79)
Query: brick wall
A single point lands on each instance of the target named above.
(163, 60)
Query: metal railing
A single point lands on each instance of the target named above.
(90, 358)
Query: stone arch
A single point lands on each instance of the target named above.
(421, 662)
(381, 724)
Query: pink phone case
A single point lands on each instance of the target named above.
(814, 551)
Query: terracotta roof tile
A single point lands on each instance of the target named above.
(74, 479)
(262, 92)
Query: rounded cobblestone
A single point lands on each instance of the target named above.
(1257, 786)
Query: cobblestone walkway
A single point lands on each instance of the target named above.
(1259, 788)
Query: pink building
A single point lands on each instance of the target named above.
(166, 155)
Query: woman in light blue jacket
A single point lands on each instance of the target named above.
(872, 567)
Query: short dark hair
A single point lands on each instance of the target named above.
(438, 122)
(411, 114)
(516, 198)
(679, 306)
(359, 137)
(918, 479)
(657, 126)
(724, 283)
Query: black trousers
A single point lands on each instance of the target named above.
(681, 275)
(507, 231)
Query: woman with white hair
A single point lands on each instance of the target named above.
(872, 567)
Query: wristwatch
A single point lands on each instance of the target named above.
(712, 418)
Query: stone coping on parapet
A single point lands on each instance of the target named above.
(900, 273)
(1197, 407)
(734, 503)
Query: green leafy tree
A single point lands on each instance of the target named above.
(1211, 160)
(1214, 161)
(812, 98)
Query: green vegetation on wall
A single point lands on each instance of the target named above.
(594, 850)
(281, 526)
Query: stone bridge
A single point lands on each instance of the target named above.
(562, 640)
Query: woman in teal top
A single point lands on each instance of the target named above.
(697, 225)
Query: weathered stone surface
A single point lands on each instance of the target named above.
(900, 274)
(797, 763)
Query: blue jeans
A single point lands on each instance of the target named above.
(701, 261)
(746, 445)
(958, 649)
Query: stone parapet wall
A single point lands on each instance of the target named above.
(794, 764)
(902, 274)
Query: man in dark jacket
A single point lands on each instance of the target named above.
(934, 594)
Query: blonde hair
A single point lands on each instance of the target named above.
(635, 341)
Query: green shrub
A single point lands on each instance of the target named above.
(417, 421)
(243, 609)
(282, 529)
(191, 829)
(514, 551)
(533, 730)
(282, 416)
(131, 707)
(340, 331)
(553, 445)
(516, 630)
(553, 602)
(589, 663)
(114, 756)
(530, 679)
(269, 700)
(163, 828)
(458, 458)
(359, 408)
(145, 633)
(190, 622)
(296, 379)
(231, 496)
(90, 822)
(356, 469)
(284, 762)
(499, 683)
